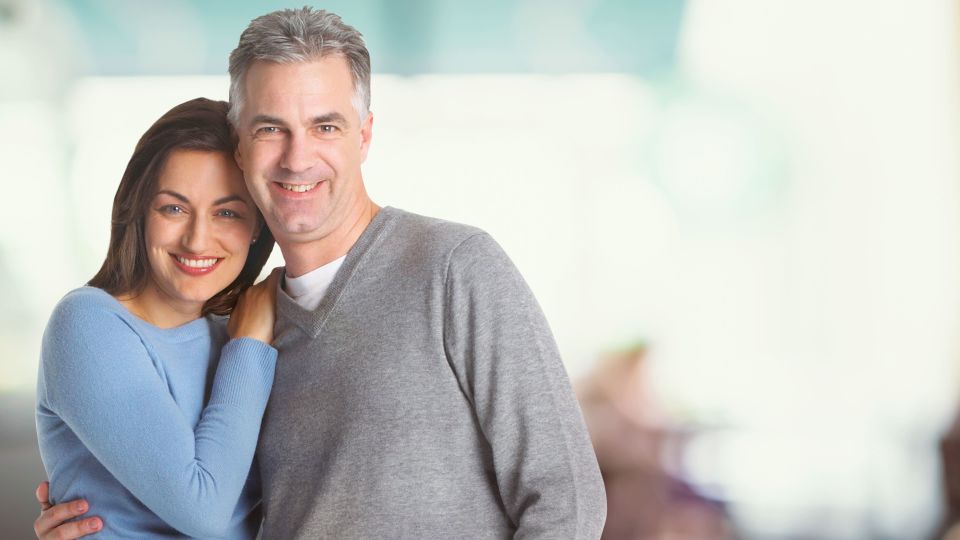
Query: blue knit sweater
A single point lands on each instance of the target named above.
(155, 427)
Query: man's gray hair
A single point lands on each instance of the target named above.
(289, 36)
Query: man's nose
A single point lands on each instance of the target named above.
(299, 154)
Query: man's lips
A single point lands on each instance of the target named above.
(301, 189)
(195, 266)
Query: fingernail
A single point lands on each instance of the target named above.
(80, 506)
(94, 524)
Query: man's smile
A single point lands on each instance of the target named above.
(298, 188)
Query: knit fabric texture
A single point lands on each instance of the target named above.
(155, 427)
(424, 398)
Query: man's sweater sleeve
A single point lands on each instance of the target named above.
(501, 348)
(99, 378)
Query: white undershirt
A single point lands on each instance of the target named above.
(308, 289)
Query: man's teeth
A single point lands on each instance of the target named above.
(197, 263)
(299, 188)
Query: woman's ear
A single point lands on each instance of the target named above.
(256, 231)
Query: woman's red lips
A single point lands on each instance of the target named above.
(195, 266)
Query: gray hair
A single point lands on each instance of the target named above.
(289, 36)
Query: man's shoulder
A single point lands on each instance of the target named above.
(433, 226)
(435, 229)
(427, 242)
(443, 241)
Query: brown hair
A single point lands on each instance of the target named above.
(198, 124)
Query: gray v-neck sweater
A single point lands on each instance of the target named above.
(424, 398)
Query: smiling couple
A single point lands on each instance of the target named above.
(418, 391)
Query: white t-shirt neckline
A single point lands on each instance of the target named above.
(308, 290)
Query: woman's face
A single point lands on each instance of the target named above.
(199, 227)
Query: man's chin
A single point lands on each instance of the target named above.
(296, 231)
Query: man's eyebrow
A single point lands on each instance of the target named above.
(332, 117)
(266, 119)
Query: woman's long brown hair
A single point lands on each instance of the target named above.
(199, 124)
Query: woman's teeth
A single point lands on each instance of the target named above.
(299, 188)
(197, 263)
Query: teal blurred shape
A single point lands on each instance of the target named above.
(404, 36)
(720, 159)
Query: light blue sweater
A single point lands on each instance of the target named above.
(156, 428)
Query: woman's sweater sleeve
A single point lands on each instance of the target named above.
(100, 379)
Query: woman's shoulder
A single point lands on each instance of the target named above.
(91, 295)
(86, 302)
(89, 310)
(86, 322)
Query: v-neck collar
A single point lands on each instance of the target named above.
(311, 322)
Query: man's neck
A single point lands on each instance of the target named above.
(303, 257)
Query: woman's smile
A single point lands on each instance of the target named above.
(196, 266)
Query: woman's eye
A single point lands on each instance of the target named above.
(228, 214)
(171, 209)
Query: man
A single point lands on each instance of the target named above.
(419, 391)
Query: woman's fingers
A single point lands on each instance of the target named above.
(43, 495)
(50, 525)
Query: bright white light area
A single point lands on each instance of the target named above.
(827, 335)
(707, 155)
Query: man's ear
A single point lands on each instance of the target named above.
(366, 134)
(238, 157)
(235, 137)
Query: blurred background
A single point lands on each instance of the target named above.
(740, 217)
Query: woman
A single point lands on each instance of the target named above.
(148, 403)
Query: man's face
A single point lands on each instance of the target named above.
(300, 146)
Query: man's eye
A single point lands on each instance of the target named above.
(268, 130)
(328, 129)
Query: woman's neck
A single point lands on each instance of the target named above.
(152, 307)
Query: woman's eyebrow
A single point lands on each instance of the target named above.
(229, 198)
(221, 200)
(174, 194)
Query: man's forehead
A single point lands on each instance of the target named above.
(334, 62)
(325, 76)
(296, 92)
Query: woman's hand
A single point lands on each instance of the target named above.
(50, 525)
(256, 310)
